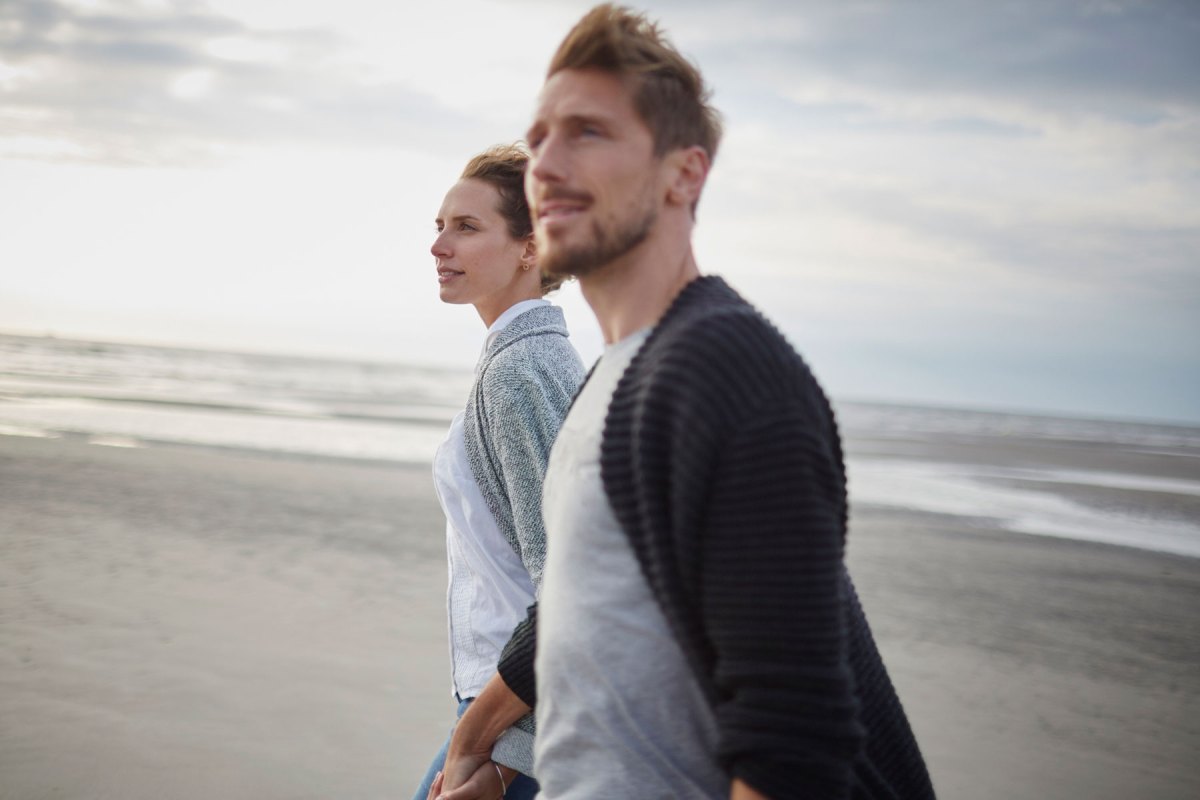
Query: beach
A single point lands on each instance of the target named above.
(193, 622)
(187, 623)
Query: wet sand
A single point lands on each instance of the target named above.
(191, 623)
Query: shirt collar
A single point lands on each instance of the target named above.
(508, 316)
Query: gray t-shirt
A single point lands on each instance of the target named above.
(619, 713)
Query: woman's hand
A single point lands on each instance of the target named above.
(488, 782)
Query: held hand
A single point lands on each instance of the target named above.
(476, 733)
(487, 783)
(462, 765)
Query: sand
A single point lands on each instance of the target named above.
(190, 623)
(1035, 667)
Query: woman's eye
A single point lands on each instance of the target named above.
(466, 226)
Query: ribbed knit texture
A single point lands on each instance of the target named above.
(525, 383)
(723, 464)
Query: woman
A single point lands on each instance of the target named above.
(488, 471)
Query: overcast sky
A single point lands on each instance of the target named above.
(985, 204)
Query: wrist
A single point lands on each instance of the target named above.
(468, 740)
(507, 773)
(488, 716)
(503, 782)
(475, 733)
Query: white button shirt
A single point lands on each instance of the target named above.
(489, 588)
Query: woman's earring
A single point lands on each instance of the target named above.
(525, 267)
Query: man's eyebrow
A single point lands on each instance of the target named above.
(584, 118)
(578, 118)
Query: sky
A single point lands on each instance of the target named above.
(984, 204)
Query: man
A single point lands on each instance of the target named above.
(698, 633)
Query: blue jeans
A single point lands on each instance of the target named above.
(523, 787)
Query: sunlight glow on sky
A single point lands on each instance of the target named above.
(992, 205)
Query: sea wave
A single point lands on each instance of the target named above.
(934, 460)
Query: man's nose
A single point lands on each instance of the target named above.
(549, 163)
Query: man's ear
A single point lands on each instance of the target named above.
(687, 171)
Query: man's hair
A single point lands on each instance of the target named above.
(668, 92)
(503, 168)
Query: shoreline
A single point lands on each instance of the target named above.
(191, 623)
(1175, 507)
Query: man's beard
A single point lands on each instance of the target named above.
(604, 247)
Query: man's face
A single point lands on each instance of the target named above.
(594, 182)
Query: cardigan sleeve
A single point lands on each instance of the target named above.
(525, 410)
(524, 414)
(523, 404)
(773, 598)
(516, 662)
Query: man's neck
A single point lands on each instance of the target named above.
(634, 291)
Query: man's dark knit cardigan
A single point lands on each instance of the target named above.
(723, 465)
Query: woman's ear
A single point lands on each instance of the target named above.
(529, 254)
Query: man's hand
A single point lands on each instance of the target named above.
(461, 769)
(488, 716)
(488, 783)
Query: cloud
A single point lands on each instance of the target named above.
(1099, 54)
(152, 85)
(962, 196)
(1106, 80)
(1045, 145)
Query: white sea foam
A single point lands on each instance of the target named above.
(911, 422)
(25, 430)
(114, 441)
(974, 492)
(135, 395)
(321, 437)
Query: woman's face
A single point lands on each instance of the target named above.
(477, 261)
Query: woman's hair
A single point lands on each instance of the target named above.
(503, 167)
(668, 91)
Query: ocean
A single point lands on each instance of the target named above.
(1132, 484)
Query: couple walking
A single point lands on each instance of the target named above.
(653, 557)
